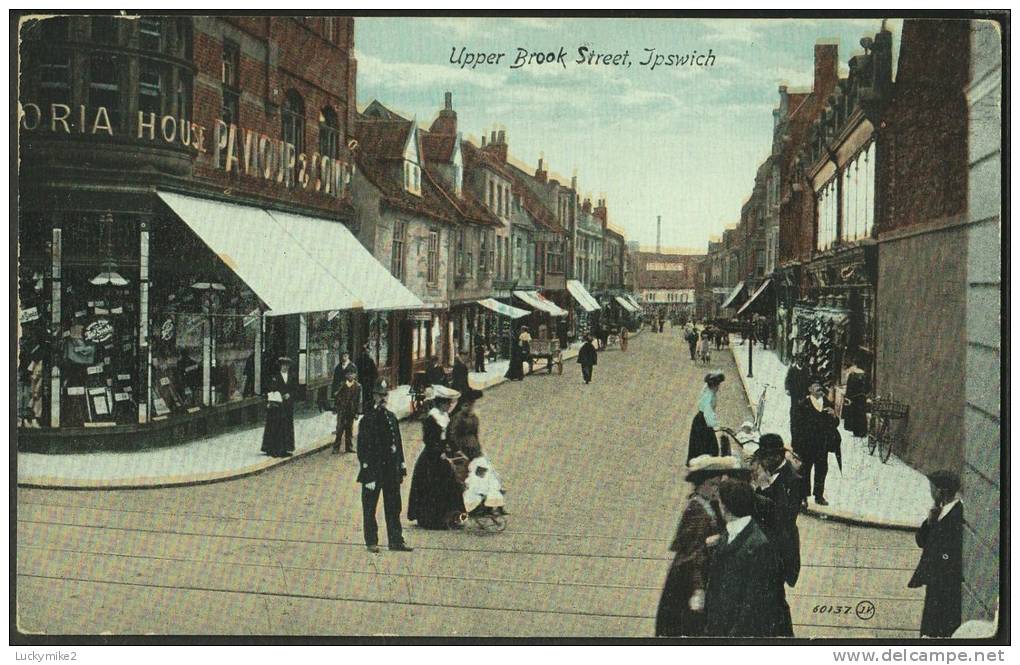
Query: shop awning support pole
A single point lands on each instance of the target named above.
(260, 327)
(750, 356)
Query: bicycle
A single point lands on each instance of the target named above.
(882, 434)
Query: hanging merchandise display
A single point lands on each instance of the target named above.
(821, 338)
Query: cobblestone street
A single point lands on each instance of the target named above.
(595, 488)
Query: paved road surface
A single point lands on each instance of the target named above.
(595, 488)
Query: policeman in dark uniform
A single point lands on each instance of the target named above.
(382, 469)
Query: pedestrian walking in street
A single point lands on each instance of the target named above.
(797, 382)
(480, 347)
(367, 374)
(704, 348)
(624, 336)
(587, 358)
(855, 404)
(662, 322)
(681, 610)
(742, 598)
(340, 372)
(347, 399)
(703, 439)
(819, 435)
(691, 337)
(940, 570)
(435, 498)
(515, 370)
(281, 390)
(482, 485)
(459, 380)
(524, 340)
(381, 470)
(603, 338)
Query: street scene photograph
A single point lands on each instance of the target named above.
(657, 329)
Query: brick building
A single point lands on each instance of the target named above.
(182, 182)
(666, 283)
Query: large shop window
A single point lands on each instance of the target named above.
(326, 332)
(378, 338)
(293, 116)
(859, 194)
(827, 211)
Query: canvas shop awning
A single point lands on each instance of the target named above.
(540, 302)
(293, 263)
(581, 295)
(626, 304)
(633, 301)
(502, 309)
(733, 295)
(757, 292)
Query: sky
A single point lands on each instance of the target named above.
(680, 142)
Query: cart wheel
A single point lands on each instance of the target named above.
(491, 523)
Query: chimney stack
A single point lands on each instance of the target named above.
(573, 183)
(586, 206)
(540, 173)
(501, 137)
(658, 234)
(483, 140)
(497, 146)
(826, 69)
(492, 138)
(446, 123)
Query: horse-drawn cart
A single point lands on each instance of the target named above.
(550, 350)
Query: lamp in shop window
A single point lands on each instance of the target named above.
(109, 276)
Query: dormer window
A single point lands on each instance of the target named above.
(412, 178)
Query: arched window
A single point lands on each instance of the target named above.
(293, 115)
(329, 133)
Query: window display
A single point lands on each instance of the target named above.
(325, 335)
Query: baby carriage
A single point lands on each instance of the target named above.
(483, 494)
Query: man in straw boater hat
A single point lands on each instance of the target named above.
(382, 469)
(940, 570)
(682, 605)
(281, 390)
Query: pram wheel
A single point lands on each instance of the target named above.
(490, 522)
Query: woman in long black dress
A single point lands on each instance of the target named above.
(855, 408)
(435, 497)
(515, 372)
(703, 440)
(281, 388)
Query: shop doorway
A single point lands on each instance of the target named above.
(405, 352)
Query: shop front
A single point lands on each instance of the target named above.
(148, 319)
(586, 309)
(547, 319)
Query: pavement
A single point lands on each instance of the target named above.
(866, 491)
(595, 487)
(226, 455)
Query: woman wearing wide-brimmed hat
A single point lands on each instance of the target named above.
(435, 496)
(682, 605)
(703, 439)
(281, 391)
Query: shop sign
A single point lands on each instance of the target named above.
(420, 316)
(223, 146)
(99, 331)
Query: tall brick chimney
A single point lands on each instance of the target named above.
(826, 69)
(446, 123)
(601, 212)
(586, 205)
(541, 175)
(497, 148)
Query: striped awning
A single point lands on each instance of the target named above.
(754, 296)
(503, 309)
(626, 304)
(540, 302)
(581, 295)
(733, 295)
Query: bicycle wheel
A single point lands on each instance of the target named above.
(885, 445)
(759, 415)
(876, 432)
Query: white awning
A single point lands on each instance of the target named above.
(581, 295)
(626, 304)
(274, 258)
(500, 308)
(540, 302)
(633, 301)
(333, 245)
(733, 295)
(757, 292)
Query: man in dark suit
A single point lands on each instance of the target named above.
(435, 375)
(347, 400)
(818, 435)
(367, 374)
(460, 375)
(743, 599)
(940, 570)
(797, 382)
(381, 469)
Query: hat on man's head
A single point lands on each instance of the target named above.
(284, 360)
(703, 467)
(945, 480)
(471, 395)
(770, 442)
(715, 376)
(351, 370)
(382, 386)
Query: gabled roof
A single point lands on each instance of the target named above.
(377, 111)
(475, 156)
(379, 157)
(438, 147)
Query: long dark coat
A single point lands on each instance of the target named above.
(797, 383)
(460, 377)
(940, 571)
(587, 355)
(435, 494)
(339, 376)
(516, 369)
(367, 374)
(745, 594)
(278, 436)
(819, 433)
(688, 571)
(380, 449)
(463, 434)
(855, 410)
